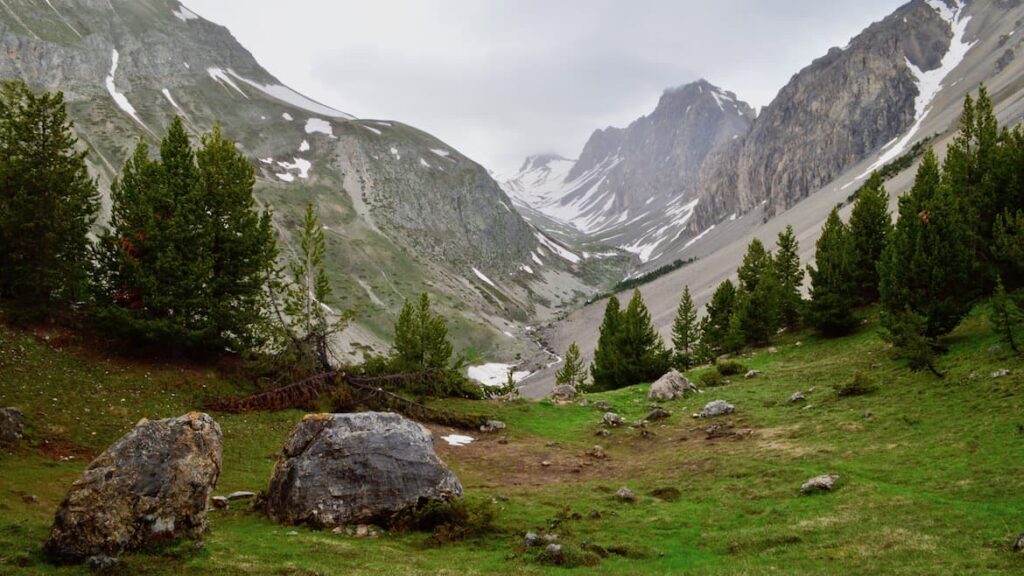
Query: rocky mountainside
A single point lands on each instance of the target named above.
(404, 211)
(634, 187)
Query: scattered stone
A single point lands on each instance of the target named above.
(12, 425)
(550, 538)
(241, 495)
(1002, 373)
(1018, 546)
(545, 463)
(808, 407)
(603, 433)
(752, 374)
(868, 415)
(492, 426)
(151, 485)
(563, 393)
(670, 386)
(604, 406)
(597, 452)
(583, 403)
(30, 499)
(291, 533)
(365, 468)
(799, 344)
(365, 531)
(531, 540)
(612, 420)
(219, 502)
(551, 444)
(773, 350)
(101, 563)
(554, 553)
(658, 414)
(717, 408)
(624, 494)
(823, 483)
(594, 515)
(811, 390)
(796, 397)
(503, 440)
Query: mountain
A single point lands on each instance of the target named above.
(635, 187)
(927, 55)
(404, 211)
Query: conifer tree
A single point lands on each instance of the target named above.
(761, 313)
(754, 266)
(790, 277)
(833, 284)
(421, 338)
(1006, 316)
(572, 372)
(870, 226)
(641, 349)
(735, 337)
(605, 369)
(928, 266)
(1008, 246)
(718, 315)
(48, 202)
(685, 332)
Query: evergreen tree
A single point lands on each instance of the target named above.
(761, 313)
(643, 353)
(833, 284)
(928, 266)
(1006, 317)
(906, 332)
(1008, 247)
(789, 276)
(421, 338)
(187, 258)
(716, 322)
(48, 203)
(685, 332)
(870, 226)
(735, 337)
(605, 370)
(572, 372)
(754, 266)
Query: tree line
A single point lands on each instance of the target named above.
(188, 260)
(958, 238)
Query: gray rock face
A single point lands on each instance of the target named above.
(670, 386)
(12, 425)
(149, 486)
(824, 483)
(717, 408)
(563, 393)
(367, 468)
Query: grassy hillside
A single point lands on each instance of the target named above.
(931, 469)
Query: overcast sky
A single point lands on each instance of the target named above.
(503, 79)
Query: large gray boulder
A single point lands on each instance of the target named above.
(670, 386)
(151, 485)
(12, 425)
(717, 408)
(563, 393)
(368, 468)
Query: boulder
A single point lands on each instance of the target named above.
(796, 397)
(670, 386)
(625, 495)
(824, 483)
(12, 425)
(597, 452)
(367, 468)
(151, 485)
(658, 414)
(492, 426)
(716, 408)
(563, 393)
(612, 420)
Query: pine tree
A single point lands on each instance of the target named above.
(906, 332)
(754, 266)
(735, 337)
(718, 314)
(790, 278)
(833, 284)
(605, 369)
(572, 372)
(1006, 317)
(421, 338)
(48, 203)
(641, 349)
(685, 332)
(1008, 246)
(928, 266)
(870, 226)
(761, 315)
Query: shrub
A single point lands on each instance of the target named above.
(571, 556)
(860, 385)
(454, 520)
(730, 368)
(712, 379)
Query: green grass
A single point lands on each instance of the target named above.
(931, 469)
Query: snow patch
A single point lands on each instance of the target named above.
(440, 152)
(696, 238)
(371, 129)
(457, 439)
(394, 152)
(167, 94)
(287, 116)
(304, 147)
(120, 98)
(557, 249)
(184, 14)
(315, 125)
(301, 165)
(526, 268)
(483, 277)
(221, 76)
(424, 163)
(495, 374)
(289, 96)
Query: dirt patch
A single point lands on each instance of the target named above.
(60, 449)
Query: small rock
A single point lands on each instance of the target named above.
(12, 425)
(658, 414)
(550, 538)
(752, 374)
(219, 502)
(823, 483)
(365, 531)
(545, 463)
(799, 344)
(1002, 373)
(603, 433)
(531, 540)
(101, 563)
(563, 393)
(30, 499)
(717, 408)
(670, 386)
(241, 495)
(612, 420)
(797, 397)
(503, 440)
(291, 533)
(773, 350)
(808, 407)
(554, 553)
(492, 426)
(594, 515)
(583, 403)
(811, 390)
(597, 452)
(868, 414)
(1018, 546)
(625, 495)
